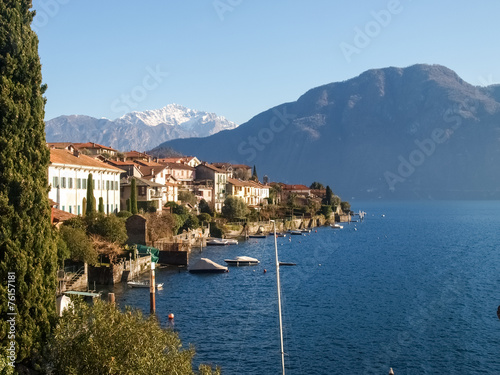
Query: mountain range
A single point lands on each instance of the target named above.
(137, 130)
(414, 132)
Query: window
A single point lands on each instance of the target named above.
(79, 210)
(55, 182)
(63, 208)
(99, 185)
(70, 183)
(69, 209)
(78, 183)
(107, 186)
(142, 190)
(116, 185)
(63, 184)
(84, 183)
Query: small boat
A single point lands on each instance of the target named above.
(305, 230)
(205, 265)
(336, 226)
(231, 242)
(296, 233)
(142, 284)
(218, 242)
(278, 234)
(257, 236)
(287, 264)
(242, 261)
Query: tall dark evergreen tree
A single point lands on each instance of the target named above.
(101, 205)
(328, 196)
(254, 174)
(90, 196)
(28, 252)
(133, 197)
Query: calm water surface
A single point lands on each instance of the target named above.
(416, 290)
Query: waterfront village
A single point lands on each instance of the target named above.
(172, 204)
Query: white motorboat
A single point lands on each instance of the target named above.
(296, 233)
(218, 242)
(231, 241)
(336, 226)
(142, 284)
(242, 261)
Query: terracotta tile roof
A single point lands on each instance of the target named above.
(295, 187)
(139, 182)
(136, 154)
(236, 182)
(93, 145)
(177, 166)
(60, 215)
(215, 169)
(118, 162)
(170, 160)
(65, 157)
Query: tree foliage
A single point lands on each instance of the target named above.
(101, 205)
(317, 186)
(345, 206)
(99, 339)
(79, 245)
(111, 228)
(234, 208)
(90, 209)
(133, 197)
(27, 243)
(205, 207)
(187, 197)
(328, 196)
(162, 226)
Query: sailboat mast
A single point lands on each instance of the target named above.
(279, 297)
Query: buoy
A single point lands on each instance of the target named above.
(315, 231)
(265, 270)
(171, 316)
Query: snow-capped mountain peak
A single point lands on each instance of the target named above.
(138, 130)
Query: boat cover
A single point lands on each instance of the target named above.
(205, 264)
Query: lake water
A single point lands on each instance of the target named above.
(416, 290)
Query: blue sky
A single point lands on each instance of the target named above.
(238, 58)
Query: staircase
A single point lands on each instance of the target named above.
(74, 278)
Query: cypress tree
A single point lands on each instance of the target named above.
(90, 196)
(254, 174)
(84, 206)
(128, 204)
(328, 196)
(101, 205)
(28, 247)
(133, 197)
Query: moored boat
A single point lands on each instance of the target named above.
(336, 226)
(218, 242)
(205, 265)
(242, 261)
(142, 284)
(296, 233)
(257, 236)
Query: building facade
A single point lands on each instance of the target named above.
(68, 178)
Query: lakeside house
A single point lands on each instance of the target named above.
(149, 193)
(253, 193)
(68, 173)
(219, 177)
(192, 161)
